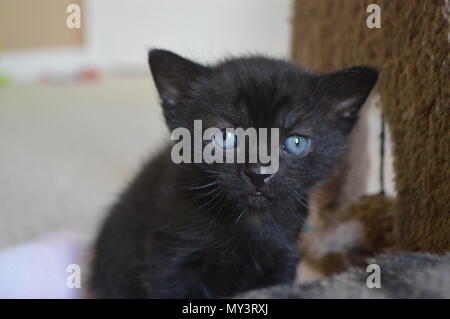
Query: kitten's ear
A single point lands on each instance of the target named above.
(172, 74)
(345, 91)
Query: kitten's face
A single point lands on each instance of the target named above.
(314, 115)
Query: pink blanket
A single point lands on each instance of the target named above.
(50, 267)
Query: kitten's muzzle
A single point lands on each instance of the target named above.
(254, 175)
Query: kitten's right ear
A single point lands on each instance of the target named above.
(172, 74)
(345, 91)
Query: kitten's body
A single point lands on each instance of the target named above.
(201, 230)
(164, 246)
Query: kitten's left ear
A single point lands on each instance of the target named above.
(172, 74)
(345, 91)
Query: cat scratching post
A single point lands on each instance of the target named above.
(411, 49)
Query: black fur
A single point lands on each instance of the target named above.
(197, 230)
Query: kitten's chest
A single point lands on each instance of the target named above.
(248, 265)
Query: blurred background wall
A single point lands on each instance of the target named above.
(78, 109)
(116, 35)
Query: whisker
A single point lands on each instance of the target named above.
(240, 215)
(296, 212)
(211, 199)
(193, 187)
(205, 194)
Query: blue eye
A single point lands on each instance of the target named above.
(296, 144)
(224, 139)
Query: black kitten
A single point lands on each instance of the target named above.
(214, 230)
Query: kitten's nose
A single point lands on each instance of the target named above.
(256, 176)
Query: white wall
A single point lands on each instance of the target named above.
(119, 33)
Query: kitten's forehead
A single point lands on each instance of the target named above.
(264, 93)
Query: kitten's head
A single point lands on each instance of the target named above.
(314, 115)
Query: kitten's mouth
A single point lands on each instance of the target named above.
(258, 197)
